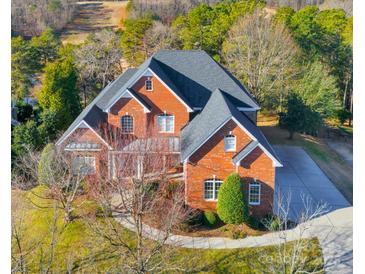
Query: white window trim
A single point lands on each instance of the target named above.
(173, 123)
(249, 193)
(145, 84)
(235, 143)
(121, 126)
(214, 181)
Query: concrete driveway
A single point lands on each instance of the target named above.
(301, 177)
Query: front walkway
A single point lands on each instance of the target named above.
(333, 230)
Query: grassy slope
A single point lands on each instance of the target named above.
(94, 16)
(339, 172)
(77, 241)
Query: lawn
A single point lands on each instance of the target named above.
(76, 242)
(94, 16)
(334, 166)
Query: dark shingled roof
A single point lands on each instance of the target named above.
(244, 152)
(216, 113)
(197, 75)
(93, 114)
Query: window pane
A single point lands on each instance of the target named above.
(229, 143)
(254, 193)
(169, 123)
(217, 186)
(127, 124)
(83, 165)
(161, 122)
(148, 84)
(208, 190)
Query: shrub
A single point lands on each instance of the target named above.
(343, 115)
(45, 164)
(238, 234)
(231, 206)
(210, 218)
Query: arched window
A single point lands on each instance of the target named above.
(127, 124)
(230, 142)
(148, 84)
(211, 188)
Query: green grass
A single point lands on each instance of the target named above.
(346, 129)
(76, 241)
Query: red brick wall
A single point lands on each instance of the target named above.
(129, 106)
(211, 159)
(86, 135)
(162, 99)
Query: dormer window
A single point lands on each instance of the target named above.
(148, 84)
(230, 142)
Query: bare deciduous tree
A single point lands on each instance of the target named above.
(262, 54)
(292, 233)
(98, 61)
(59, 174)
(24, 246)
(166, 10)
(159, 36)
(142, 191)
(31, 17)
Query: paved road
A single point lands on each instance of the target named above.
(301, 177)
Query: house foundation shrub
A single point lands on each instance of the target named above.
(231, 206)
(210, 218)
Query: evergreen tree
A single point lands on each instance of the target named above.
(59, 92)
(231, 206)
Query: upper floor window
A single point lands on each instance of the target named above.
(84, 165)
(254, 193)
(165, 123)
(127, 124)
(211, 188)
(230, 142)
(148, 84)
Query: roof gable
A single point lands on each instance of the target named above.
(197, 75)
(150, 66)
(217, 112)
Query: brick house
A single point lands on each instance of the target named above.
(206, 115)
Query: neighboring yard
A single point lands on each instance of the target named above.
(76, 242)
(333, 165)
(94, 16)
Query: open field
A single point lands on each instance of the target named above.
(78, 248)
(332, 164)
(93, 16)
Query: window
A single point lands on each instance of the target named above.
(230, 142)
(148, 84)
(127, 124)
(254, 193)
(83, 165)
(165, 123)
(211, 188)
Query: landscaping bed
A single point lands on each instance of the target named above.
(77, 242)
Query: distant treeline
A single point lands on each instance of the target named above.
(31, 17)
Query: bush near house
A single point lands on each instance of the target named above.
(231, 206)
(210, 218)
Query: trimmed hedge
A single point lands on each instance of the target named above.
(231, 206)
(210, 218)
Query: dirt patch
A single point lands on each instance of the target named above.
(94, 16)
